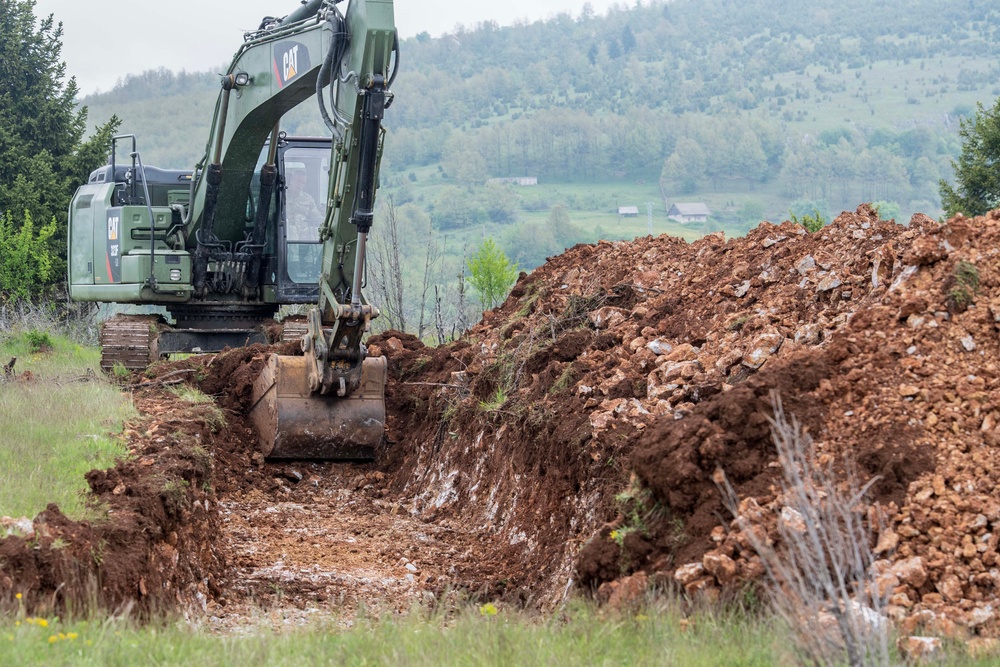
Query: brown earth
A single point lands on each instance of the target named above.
(571, 438)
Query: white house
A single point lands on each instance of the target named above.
(628, 211)
(684, 213)
(515, 180)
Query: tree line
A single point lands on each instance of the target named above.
(45, 150)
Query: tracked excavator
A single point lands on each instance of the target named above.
(263, 220)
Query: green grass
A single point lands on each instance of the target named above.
(54, 428)
(581, 636)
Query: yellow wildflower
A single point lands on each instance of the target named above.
(71, 635)
(18, 596)
(488, 609)
(42, 622)
(53, 639)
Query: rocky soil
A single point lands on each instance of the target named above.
(571, 440)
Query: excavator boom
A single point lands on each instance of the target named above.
(330, 403)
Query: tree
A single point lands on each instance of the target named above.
(977, 171)
(456, 208)
(500, 204)
(463, 162)
(492, 274)
(887, 210)
(43, 157)
(628, 39)
(387, 268)
(686, 165)
(25, 259)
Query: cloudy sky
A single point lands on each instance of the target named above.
(104, 40)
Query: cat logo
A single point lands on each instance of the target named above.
(291, 59)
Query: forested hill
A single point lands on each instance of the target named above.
(688, 55)
(793, 100)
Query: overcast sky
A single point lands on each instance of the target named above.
(103, 40)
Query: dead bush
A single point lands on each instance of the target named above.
(819, 577)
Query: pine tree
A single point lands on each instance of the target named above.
(628, 39)
(977, 171)
(25, 259)
(43, 154)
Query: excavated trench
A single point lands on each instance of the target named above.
(572, 437)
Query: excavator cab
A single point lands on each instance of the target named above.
(295, 251)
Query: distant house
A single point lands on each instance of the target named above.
(515, 180)
(685, 213)
(628, 211)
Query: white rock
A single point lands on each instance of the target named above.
(607, 317)
(828, 283)
(762, 348)
(22, 527)
(915, 648)
(658, 346)
(981, 615)
(792, 520)
(685, 574)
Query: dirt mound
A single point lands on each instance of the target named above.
(657, 357)
(574, 434)
(152, 549)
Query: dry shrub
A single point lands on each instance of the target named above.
(819, 576)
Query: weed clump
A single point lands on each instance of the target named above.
(812, 223)
(964, 285)
(38, 341)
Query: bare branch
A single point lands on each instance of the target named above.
(820, 578)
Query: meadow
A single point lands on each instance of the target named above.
(58, 420)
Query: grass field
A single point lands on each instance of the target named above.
(483, 636)
(55, 427)
(659, 634)
(887, 94)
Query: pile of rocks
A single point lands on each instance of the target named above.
(902, 322)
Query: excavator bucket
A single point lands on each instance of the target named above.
(294, 423)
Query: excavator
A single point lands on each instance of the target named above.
(224, 245)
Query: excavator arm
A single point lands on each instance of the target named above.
(328, 403)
